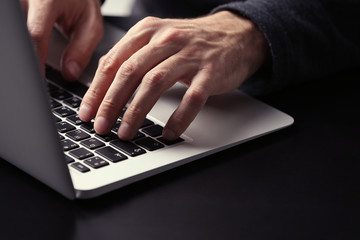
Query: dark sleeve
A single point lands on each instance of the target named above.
(308, 39)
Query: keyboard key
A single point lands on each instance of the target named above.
(92, 143)
(122, 112)
(111, 154)
(167, 142)
(80, 167)
(56, 119)
(75, 120)
(77, 135)
(128, 147)
(81, 153)
(88, 126)
(138, 135)
(146, 123)
(63, 127)
(96, 162)
(107, 138)
(153, 131)
(73, 102)
(149, 144)
(69, 145)
(52, 87)
(60, 94)
(69, 159)
(54, 104)
(64, 111)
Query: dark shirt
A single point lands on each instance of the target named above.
(308, 39)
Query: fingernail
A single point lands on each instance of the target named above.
(101, 125)
(74, 70)
(168, 134)
(85, 112)
(124, 131)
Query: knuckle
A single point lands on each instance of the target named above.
(92, 94)
(148, 22)
(171, 36)
(196, 96)
(134, 110)
(128, 68)
(155, 79)
(37, 32)
(145, 24)
(108, 105)
(107, 64)
(177, 120)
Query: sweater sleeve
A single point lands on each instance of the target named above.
(308, 39)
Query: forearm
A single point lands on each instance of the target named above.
(307, 39)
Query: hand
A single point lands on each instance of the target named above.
(211, 55)
(79, 20)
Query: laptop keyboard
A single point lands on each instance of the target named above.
(84, 149)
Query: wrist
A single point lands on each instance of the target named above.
(251, 41)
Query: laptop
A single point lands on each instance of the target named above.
(42, 135)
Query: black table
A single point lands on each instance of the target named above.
(302, 182)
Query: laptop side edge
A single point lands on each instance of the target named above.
(29, 139)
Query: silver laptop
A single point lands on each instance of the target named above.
(41, 135)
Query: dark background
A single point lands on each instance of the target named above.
(299, 183)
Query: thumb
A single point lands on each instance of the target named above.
(40, 22)
(83, 41)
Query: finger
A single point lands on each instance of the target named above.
(126, 82)
(107, 71)
(154, 83)
(104, 76)
(118, 94)
(191, 104)
(40, 21)
(84, 38)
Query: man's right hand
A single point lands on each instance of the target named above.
(79, 20)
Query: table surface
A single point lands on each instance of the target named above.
(299, 183)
